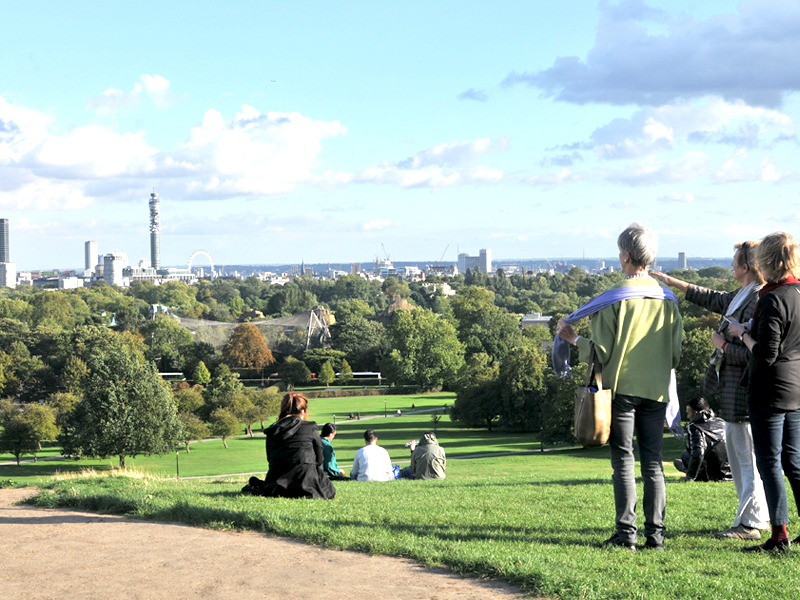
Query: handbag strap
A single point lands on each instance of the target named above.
(594, 368)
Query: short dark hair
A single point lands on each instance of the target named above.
(698, 404)
(369, 436)
(328, 429)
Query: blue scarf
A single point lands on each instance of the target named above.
(607, 298)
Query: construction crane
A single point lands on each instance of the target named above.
(384, 252)
(442, 256)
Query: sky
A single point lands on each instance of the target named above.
(278, 132)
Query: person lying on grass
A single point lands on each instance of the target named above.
(294, 453)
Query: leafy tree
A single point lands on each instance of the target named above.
(43, 421)
(523, 391)
(126, 408)
(482, 326)
(362, 341)
(193, 429)
(559, 412)
(224, 424)
(346, 374)
(315, 358)
(294, 371)
(188, 400)
(201, 374)
(221, 390)
(691, 371)
(268, 402)
(327, 374)
(476, 405)
(247, 349)
(73, 375)
(18, 437)
(425, 350)
(166, 343)
(347, 309)
(62, 404)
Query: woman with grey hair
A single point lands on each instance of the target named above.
(637, 334)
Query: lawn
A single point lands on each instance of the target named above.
(535, 519)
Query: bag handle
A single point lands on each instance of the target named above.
(594, 368)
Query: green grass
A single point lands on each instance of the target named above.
(534, 520)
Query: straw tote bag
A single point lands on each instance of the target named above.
(593, 408)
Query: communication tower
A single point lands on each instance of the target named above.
(155, 231)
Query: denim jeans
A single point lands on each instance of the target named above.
(631, 414)
(776, 439)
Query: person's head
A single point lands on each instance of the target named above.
(637, 245)
(696, 405)
(294, 404)
(744, 261)
(328, 430)
(778, 256)
(370, 437)
(429, 436)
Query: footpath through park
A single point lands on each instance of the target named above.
(48, 554)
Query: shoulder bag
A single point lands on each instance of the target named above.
(593, 408)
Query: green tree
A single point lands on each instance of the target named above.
(201, 374)
(482, 326)
(425, 350)
(62, 403)
(193, 429)
(126, 409)
(315, 358)
(346, 374)
(691, 371)
(166, 343)
(224, 424)
(268, 402)
(18, 437)
(294, 371)
(73, 375)
(477, 405)
(523, 395)
(362, 341)
(189, 400)
(221, 390)
(327, 374)
(43, 421)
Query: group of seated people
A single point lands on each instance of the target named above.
(302, 463)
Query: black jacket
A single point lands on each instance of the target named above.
(708, 453)
(773, 374)
(294, 452)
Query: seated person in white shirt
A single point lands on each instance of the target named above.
(372, 463)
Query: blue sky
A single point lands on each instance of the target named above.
(280, 132)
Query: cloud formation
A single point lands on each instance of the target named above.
(154, 87)
(733, 56)
(473, 94)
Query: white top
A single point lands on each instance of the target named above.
(372, 463)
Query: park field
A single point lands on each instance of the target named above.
(532, 518)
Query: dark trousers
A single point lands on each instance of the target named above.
(776, 441)
(631, 414)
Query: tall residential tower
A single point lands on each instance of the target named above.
(4, 254)
(155, 231)
(90, 257)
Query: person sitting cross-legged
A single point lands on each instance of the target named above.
(428, 459)
(372, 463)
(329, 464)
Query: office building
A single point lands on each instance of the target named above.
(90, 259)
(113, 265)
(8, 274)
(682, 264)
(482, 262)
(155, 231)
(5, 256)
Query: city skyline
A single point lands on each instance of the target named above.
(326, 133)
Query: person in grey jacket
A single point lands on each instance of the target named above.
(428, 459)
(727, 365)
(706, 455)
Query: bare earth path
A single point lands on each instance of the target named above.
(63, 554)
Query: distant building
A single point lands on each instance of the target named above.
(155, 231)
(8, 273)
(90, 258)
(69, 283)
(113, 265)
(682, 264)
(535, 320)
(355, 268)
(5, 255)
(482, 262)
(442, 270)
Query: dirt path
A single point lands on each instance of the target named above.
(76, 555)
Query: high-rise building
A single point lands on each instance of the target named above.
(155, 231)
(682, 264)
(113, 264)
(482, 262)
(90, 257)
(8, 274)
(5, 256)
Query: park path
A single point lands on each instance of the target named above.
(57, 554)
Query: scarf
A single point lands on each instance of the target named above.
(596, 304)
(737, 302)
(776, 284)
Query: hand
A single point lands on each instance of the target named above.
(341, 472)
(718, 340)
(736, 329)
(663, 277)
(413, 445)
(565, 331)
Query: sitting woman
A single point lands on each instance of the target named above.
(706, 455)
(294, 453)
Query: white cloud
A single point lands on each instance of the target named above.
(735, 56)
(113, 100)
(650, 171)
(376, 225)
(678, 197)
(565, 175)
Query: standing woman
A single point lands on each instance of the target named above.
(637, 336)
(728, 363)
(773, 377)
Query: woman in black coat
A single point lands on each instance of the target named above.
(294, 452)
(773, 379)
